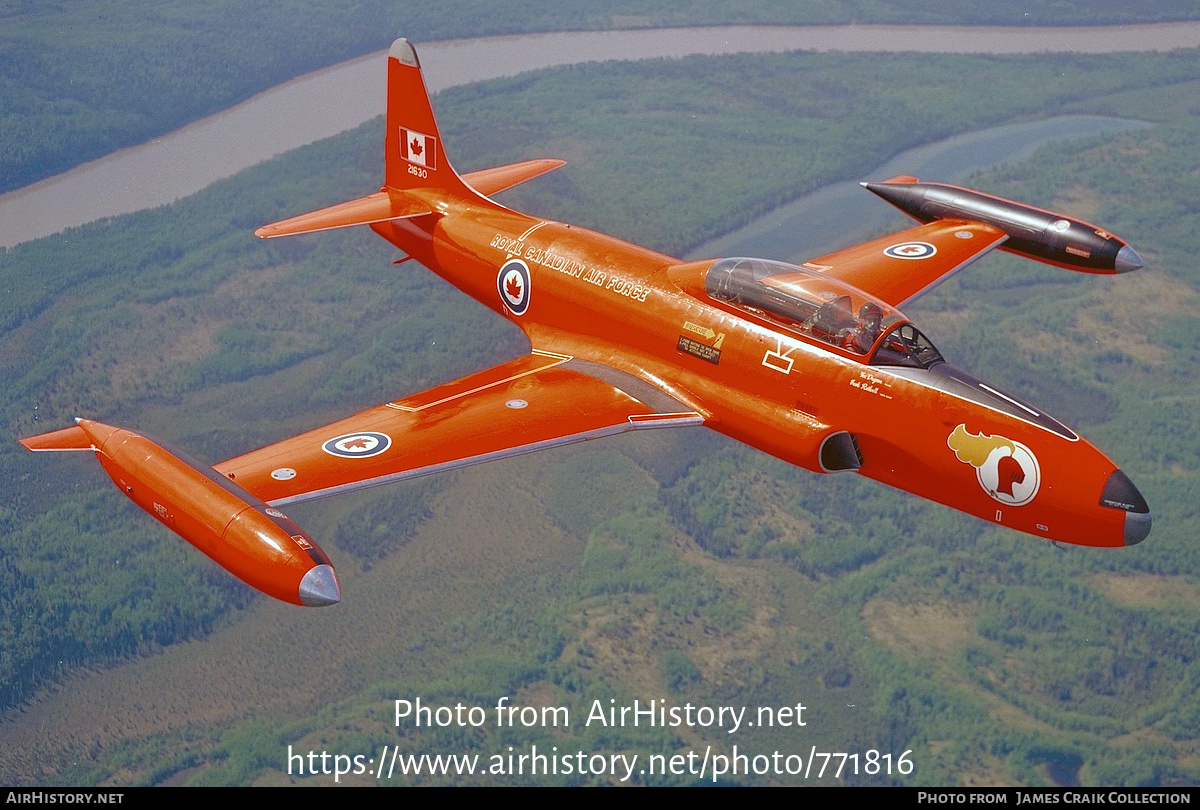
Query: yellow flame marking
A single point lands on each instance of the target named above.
(974, 450)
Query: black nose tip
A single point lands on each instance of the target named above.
(1120, 493)
(1137, 526)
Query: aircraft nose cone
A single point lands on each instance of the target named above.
(1128, 260)
(320, 587)
(1137, 526)
(1120, 493)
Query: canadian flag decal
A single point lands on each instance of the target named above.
(419, 148)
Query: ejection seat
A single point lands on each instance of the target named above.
(833, 317)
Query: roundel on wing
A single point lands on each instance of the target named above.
(358, 445)
(512, 282)
(910, 250)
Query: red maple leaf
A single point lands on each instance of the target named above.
(361, 443)
(415, 147)
(513, 287)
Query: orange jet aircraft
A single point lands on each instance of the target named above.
(814, 364)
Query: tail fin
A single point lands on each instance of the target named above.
(413, 160)
(413, 154)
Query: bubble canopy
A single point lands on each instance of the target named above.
(822, 308)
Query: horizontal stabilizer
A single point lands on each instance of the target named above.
(491, 181)
(72, 438)
(379, 207)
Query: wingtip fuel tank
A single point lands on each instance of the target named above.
(1042, 235)
(253, 541)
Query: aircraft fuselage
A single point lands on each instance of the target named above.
(934, 432)
(814, 364)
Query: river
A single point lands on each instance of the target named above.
(282, 118)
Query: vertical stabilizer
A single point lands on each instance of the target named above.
(413, 153)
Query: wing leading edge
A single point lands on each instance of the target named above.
(531, 403)
(901, 266)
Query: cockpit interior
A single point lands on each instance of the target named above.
(822, 308)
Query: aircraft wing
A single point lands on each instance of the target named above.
(534, 402)
(900, 267)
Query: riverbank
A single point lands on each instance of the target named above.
(278, 120)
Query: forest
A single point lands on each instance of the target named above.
(679, 566)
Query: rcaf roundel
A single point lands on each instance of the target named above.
(512, 282)
(911, 250)
(358, 445)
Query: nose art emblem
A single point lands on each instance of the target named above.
(1007, 470)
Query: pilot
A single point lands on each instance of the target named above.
(861, 337)
(833, 319)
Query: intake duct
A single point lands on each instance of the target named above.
(840, 453)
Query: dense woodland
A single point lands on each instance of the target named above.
(694, 568)
(79, 80)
